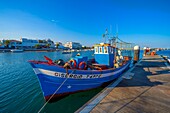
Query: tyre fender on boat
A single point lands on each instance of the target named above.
(82, 63)
(74, 63)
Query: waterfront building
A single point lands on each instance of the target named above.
(59, 45)
(1, 45)
(28, 43)
(73, 45)
(51, 43)
(15, 44)
(10, 44)
(46, 43)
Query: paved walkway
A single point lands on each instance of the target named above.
(147, 91)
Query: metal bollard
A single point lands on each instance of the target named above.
(136, 53)
(144, 51)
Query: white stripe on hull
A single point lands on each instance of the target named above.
(83, 76)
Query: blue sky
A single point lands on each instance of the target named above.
(144, 22)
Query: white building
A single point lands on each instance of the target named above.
(11, 44)
(28, 43)
(60, 45)
(52, 45)
(1, 44)
(15, 44)
(73, 45)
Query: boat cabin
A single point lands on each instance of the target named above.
(104, 54)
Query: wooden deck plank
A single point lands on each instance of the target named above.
(147, 91)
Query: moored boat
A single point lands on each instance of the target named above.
(59, 78)
(66, 52)
(16, 50)
(168, 59)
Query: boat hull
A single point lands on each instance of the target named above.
(51, 77)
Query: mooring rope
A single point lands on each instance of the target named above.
(54, 93)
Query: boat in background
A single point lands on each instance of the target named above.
(17, 50)
(66, 52)
(168, 59)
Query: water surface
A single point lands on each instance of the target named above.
(20, 90)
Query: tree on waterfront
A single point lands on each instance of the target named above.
(7, 42)
(48, 45)
(57, 44)
(40, 41)
(37, 46)
(84, 47)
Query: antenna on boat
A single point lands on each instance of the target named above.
(105, 35)
(114, 44)
(117, 30)
(110, 35)
(110, 30)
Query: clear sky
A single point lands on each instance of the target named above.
(144, 22)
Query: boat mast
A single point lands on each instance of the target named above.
(115, 39)
(105, 35)
(112, 40)
(117, 43)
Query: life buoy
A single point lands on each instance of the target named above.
(74, 61)
(82, 63)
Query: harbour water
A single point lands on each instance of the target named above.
(164, 53)
(20, 90)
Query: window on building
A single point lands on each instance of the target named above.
(100, 50)
(105, 49)
(110, 50)
(96, 49)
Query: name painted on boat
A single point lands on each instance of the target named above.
(64, 75)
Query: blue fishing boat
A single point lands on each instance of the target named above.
(59, 79)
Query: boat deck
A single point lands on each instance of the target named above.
(147, 91)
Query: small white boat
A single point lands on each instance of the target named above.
(16, 50)
(73, 50)
(66, 52)
(168, 59)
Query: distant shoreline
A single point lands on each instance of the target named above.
(9, 50)
(40, 50)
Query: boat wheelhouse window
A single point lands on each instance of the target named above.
(100, 50)
(111, 50)
(105, 49)
(96, 49)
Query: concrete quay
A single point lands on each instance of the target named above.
(144, 88)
